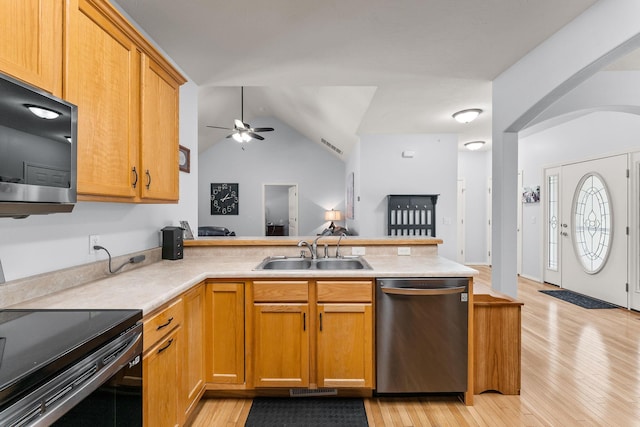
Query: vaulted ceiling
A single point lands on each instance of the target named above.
(337, 69)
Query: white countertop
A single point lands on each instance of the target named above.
(149, 287)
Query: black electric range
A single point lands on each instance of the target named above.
(47, 356)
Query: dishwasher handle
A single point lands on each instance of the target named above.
(417, 291)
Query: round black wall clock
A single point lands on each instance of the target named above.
(224, 199)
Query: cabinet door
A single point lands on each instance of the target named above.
(159, 132)
(102, 79)
(281, 347)
(161, 373)
(225, 333)
(31, 42)
(193, 333)
(345, 345)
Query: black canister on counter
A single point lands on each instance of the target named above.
(172, 246)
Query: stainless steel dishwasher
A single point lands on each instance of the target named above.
(421, 335)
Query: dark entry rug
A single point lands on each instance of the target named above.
(578, 299)
(306, 412)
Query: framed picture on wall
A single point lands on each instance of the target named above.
(531, 195)
(350, 182)
(184, 159)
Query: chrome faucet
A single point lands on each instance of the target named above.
(313, 247)
(338, 245)
(302, 243)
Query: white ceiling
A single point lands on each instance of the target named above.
(337, 69)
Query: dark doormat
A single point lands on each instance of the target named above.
(578, 299)
(307, 412)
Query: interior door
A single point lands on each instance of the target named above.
(552, 240)
(593, 228)
(293, 210)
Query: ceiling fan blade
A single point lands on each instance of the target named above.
(255, 135)
(230, 135)
(219, 127)
(262, 129)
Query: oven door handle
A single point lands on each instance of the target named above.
(131, 355)
(418, 291)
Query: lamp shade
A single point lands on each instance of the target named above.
(332, 215)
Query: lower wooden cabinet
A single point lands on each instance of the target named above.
(173, 359)
(312, 333)
(161, 366)
(225, 349)
(281, 345)
(345, 333)
(345, 345)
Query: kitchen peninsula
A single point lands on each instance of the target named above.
(211, 304)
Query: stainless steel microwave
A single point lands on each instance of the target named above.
(38, 151)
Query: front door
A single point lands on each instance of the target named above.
(593, 228)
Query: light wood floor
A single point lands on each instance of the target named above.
(579, 367)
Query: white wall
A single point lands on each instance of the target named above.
(590, 136)
(45, 243)
(384, 171)
(475, 168)
(604, 32)
(285, 156)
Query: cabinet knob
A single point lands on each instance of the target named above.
(135, 174)
(148, 179)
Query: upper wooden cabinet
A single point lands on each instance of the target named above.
(159, 132)
(31, 42)
(127, 96)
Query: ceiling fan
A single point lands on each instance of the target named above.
(241, 131)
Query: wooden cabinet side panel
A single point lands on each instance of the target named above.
(102, 80)
(345, 345)
(281, 345)
(497, 348)
(161, 372)
(194, 325)
(225, 333)
(159, 132)
(31, 42)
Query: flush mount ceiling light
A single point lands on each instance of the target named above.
(43, 113)
(473, 145)
(467, 116)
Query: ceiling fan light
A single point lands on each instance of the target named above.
(237, 137)
(467, 116)
(245, 136)
(473, 145)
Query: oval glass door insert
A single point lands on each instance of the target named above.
(592, 223)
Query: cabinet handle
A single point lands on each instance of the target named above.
(304, 321)
(135, 174)
(320, 322)
(164, 325)
(160, 350)
(148, 178)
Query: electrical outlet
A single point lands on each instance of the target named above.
(357, 250)
(403, 250)
(94, 240)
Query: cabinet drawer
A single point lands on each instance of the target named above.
(285, 291)
(345, 291)
(162, 322)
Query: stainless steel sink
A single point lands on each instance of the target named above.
(341, 264)
(285, 263)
